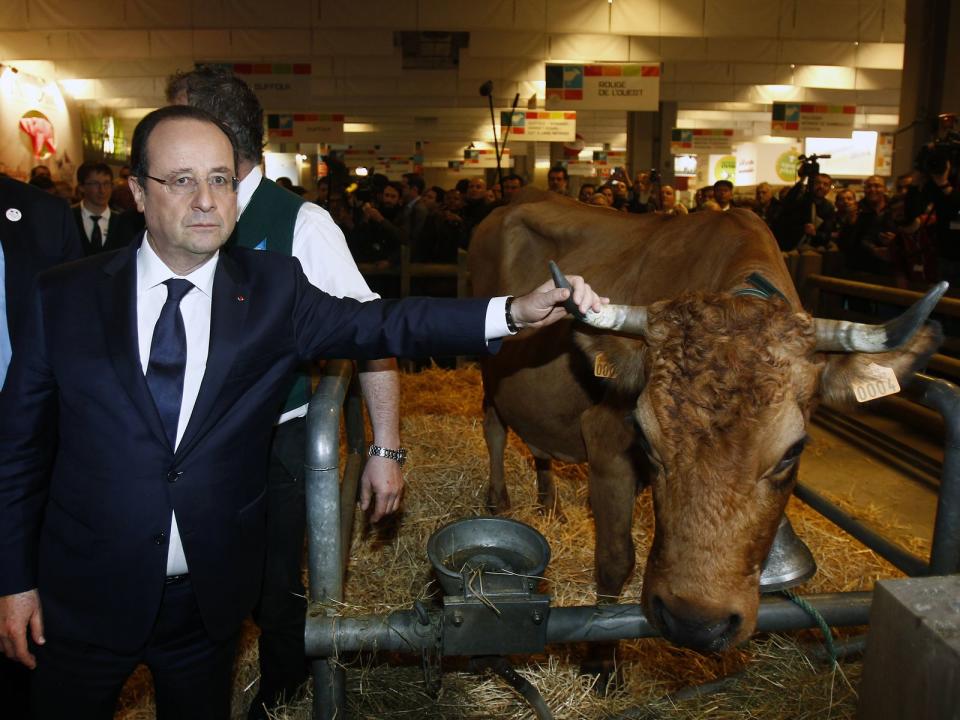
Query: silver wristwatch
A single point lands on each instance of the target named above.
(399, 455)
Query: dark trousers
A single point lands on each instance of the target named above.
(281, 611)
(191, 673)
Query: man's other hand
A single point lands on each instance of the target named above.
(382, 486)
(16, 613)
(544, 305)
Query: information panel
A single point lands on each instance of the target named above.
(607, 86)
(305, 127)
(540, 125)
(691, 141)
(801, 120)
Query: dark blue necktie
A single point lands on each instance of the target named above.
(168, 358)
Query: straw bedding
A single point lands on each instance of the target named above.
(773, 676)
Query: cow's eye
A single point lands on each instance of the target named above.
(791, 455)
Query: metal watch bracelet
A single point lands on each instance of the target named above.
(399, 455)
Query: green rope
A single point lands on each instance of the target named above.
(818, 618)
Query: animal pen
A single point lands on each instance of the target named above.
(507, 616)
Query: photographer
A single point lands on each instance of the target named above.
(938, 164)
(806, 217)
(377, 237)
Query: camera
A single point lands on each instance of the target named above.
(654, 175)
(933, 157)
(809, 167)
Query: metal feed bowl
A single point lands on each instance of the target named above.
(508, 555)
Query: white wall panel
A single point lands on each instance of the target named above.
(13, 15)
(701, 72)
(150, 14)
(743, 49)
(894, 20)
(367, 86)
(706, 92)
(508, 44)
(681, 17)
(212, 44)
(366, 67)
(260, 14)
(131, 88)
(356, 42)
(588, 48)
(811, 52)
(83, 68)
(825, 76)
(323, 86)
(208, 13)
(20, 44)
(824, 20)
(867, 79)
(683, 48)
(741, 18)
(523, 70)
(762, 74)
(170, 43)
(530, 15)
(871, 21)
(428, 82)
(448, 15)
(109, 43)
(882, 56)
(585, 16)
(275, 43)
(392, 14)
(60, 15)
(636, 17)
(472, 68)
(644, 48)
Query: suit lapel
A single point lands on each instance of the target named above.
(228, 314)
(118, 303)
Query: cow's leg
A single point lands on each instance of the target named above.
(495, 433)
(547, 497)
(613, 486)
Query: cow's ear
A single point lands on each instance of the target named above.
(844, 373)
(617, 358)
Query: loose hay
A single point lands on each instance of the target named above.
(770, 677)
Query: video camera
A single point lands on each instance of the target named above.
(933, 157)
(809, 167)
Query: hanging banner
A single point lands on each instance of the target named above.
(305, 128)
(800, 120)
(540, 125)
(700, 140)
(277, 85)
(610, 86)
(884, 164)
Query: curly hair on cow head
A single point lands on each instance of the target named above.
(716, 360)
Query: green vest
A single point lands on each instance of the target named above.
(267, 223)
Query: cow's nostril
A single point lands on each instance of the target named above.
(696, 632)
(736, 620)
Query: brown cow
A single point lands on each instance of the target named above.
(714, 383)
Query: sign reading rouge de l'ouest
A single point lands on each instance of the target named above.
(603, 86)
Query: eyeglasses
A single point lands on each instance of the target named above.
(188, 184)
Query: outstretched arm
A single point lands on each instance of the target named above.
(545, 305)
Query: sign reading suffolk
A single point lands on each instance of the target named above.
(305, 128)
(800, 120)
(603, 86)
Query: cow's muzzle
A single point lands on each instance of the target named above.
(695, 632)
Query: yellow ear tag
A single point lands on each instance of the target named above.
(877, 381)
(602, 368)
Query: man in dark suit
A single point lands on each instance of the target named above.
(36, 232)
(95, 220)
(164, 364)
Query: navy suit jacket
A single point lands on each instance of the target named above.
(93, 537)
(37, 232)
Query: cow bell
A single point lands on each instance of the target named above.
(789, 561)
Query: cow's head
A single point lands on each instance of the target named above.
(725, 386)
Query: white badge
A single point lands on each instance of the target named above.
(14, 215)
(877, 381)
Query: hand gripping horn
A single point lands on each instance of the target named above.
(629, 319)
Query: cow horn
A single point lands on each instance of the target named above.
(845, 336)
(622, 318)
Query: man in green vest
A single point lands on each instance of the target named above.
(274, 219)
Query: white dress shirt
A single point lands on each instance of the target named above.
(88, 221)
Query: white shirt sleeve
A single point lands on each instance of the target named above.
(495, 324)
(319, 245)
